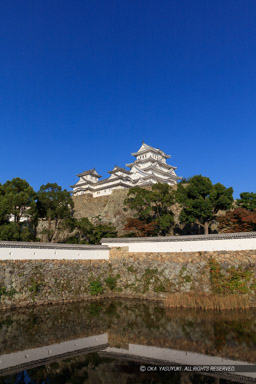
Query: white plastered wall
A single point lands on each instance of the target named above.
(11, 253)
(186, 246)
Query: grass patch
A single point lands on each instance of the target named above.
(206, 301)
(5, 292)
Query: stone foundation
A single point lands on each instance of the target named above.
(110, 209)
(127, 274)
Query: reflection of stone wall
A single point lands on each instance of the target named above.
(27, 328)
(149, 275)
(227, 334)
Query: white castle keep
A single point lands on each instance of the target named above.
(149, 168)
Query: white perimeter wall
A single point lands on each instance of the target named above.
(44, 251)
(232, 244)
(7, 252)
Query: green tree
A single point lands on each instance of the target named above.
(138, 200)
(88, 233)
(201, 201)
(17, 210)
(247, 200)
(10, 232)
(161, 205)
(13, 232)
(20, 198)
(153, 206)
(54, 204)
(3, 207)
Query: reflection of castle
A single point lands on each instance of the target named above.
(149, 168)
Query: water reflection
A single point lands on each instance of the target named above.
(119, 329)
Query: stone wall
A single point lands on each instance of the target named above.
(128, 274)
(110, 209)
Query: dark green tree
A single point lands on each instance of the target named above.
(54, 204)
(153, 206)
(138, 200)
(17, 210)
(10, 232)
(201, 201)
(88, 233)
(3, 207)
(20, 198)
(247, 200)
(13, 232)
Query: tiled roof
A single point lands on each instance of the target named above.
(87, 182)
(157, 178)
(150, 159)
(110, 180)
(154, 169)
(149, 148)
(104, 181)
(116, 169)
(89, 172)
(217, 236)
(99, 186)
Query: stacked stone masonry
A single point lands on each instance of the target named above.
(127, 274)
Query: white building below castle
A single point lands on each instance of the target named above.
(150, 167)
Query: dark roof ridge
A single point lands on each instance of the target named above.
(150, 148)
(213, 236)
(116, 169)
(157, 170)
(90, 171)
(147, 159)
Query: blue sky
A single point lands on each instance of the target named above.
(82, 83)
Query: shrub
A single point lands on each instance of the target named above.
(111, 282)
(4, 292)
(95, 287)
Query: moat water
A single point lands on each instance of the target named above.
(126, 342)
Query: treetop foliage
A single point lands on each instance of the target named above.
(152, 206)
(201, 200)
(17, 203)
(247, 200)
(53, 202)
(238, 220)
(20, 198)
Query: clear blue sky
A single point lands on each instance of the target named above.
(82, 83)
